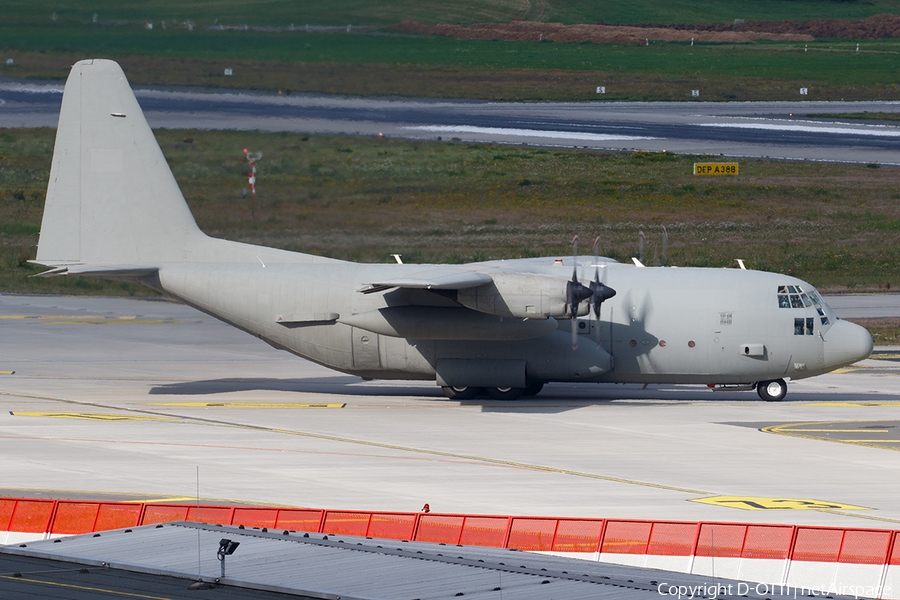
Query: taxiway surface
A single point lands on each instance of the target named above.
(135, 397)
(786, 130)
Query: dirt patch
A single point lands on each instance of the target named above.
(599, 34)
(742, 32)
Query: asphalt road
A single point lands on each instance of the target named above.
(786, 130)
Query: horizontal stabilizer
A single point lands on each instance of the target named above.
(105, 271)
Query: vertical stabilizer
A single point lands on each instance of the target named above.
(111, 198)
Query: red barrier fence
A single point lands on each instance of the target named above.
(546, 534)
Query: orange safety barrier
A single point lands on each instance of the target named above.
(298, 519)
(534, 535)
(720, 540)
(347, 523)
(396, 526)
(439, 529)
(163, 513)
(257, 517)
(75, 517)
(578, 535)
(210, 514)
(626, 537)
(768, 542)
(484, 531)
(7, 508)
(31, 516)
(659, 538)
(815, 544)
(672, 539)
(865, 547)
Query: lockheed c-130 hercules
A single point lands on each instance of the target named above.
(114, 211)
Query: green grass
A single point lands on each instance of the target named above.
(369, 64)
(832, 63)
(363, 199)
(365, 12)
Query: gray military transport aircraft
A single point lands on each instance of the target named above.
(504, 328)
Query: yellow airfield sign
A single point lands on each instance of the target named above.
(715, 168)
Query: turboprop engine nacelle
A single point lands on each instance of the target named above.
(520, 295)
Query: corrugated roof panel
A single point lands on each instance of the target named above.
(356, 568)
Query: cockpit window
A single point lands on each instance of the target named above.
(793, 296)
(804, 326)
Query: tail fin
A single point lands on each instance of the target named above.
(112, 198)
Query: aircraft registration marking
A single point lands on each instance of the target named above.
(247, 404)
(758, 503)
(90, 416)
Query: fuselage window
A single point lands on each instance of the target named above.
(798, 326)
(792, 289)
(796, 302)
(810, 321)
(783, 301)
(804, 326)
(782, 289)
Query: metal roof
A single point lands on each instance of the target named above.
(350, 568)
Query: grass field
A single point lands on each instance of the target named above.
(363, 199)
(368, 64)
(365, 12)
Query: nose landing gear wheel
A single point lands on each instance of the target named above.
(772, 391)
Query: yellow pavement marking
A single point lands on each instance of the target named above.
(247, 404)
(6, 372)
(832, 430)
(82, 587)
(757, 503)
(879, 355)
(90, 416)
(844, 370)
(872, 443)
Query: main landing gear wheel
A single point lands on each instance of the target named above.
(500, 393)
(772, 391)
(461, 393)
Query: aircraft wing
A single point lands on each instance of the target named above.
(438, 278)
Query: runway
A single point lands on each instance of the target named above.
(133, 399)
(783, 130)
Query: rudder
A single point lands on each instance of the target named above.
(112, 198)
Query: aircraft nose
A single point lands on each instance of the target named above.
(846, 343)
